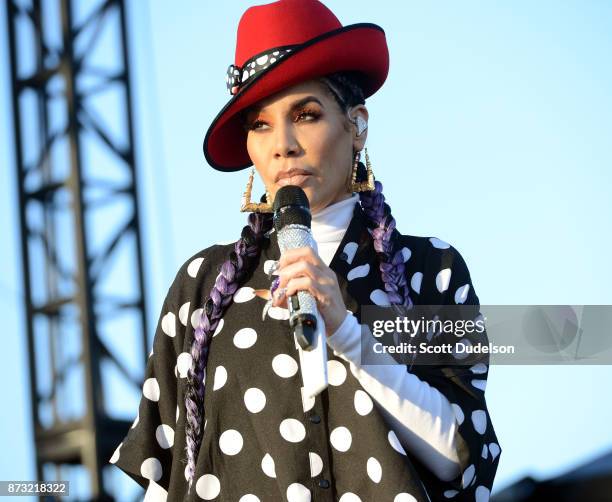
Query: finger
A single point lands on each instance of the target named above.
(303, 284)
(305, 253)
(297, 269)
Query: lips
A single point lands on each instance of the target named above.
(292, 177)
(297, 179)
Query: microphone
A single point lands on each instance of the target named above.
(292, 224)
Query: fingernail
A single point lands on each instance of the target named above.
(274, 284)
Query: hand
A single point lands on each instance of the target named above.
(301, 269)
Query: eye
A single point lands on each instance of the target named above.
(256, 125)
(312, 115)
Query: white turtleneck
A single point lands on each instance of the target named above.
(329, 225)
(420, 414)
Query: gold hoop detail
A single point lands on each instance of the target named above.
(362, 186)
(253, 207)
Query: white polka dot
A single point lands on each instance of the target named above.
(395, 443)
(438, 243)
(245, 338)
(208, 487)
(449, 494)
(360, 271)
(284, 365)
(168, 324)
(341, 438)
(316, 464)
(261, 60)
(350, 249)
(292, 430)
(443, 279)
(494, 449)
(336, 373)
(196, 315)
(267, 466)
(415, 282)
(116, 454)
(462, 293)
(135, 423)
(183, 363)
(374, 469)
(244, 294)
(249, 497)
(184, 313)
(406, 253)
(245, 75)
(349, 497)
(219, 327)
(458, 413)
(404, 497)
(363, 402)
(479, 368)
(482, 494)
(480, 384)
(278, 313)
(150, 389)
(267, 266)
(468, 474)
(155, 493)
(177, 412)
(297, 492)
(151, 469)
(231, 442)
(485, 451)
(165, 436)
(220, 377)
(479, 419)
(379, 297)
(254, 400)
(307, 401)
(194, 266)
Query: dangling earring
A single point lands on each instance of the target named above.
(362, 186)
(252, 207)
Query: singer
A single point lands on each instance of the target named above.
(224, 415)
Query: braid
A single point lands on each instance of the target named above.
(392, 267)
(232, 273)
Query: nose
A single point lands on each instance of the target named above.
(286, 144)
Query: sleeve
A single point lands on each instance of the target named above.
(146, 452)
(446, 281)
(419, 413)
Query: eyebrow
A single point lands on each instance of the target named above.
(297, 104)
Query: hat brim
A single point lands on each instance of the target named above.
(359, 47)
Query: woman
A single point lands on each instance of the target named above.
(224, 415)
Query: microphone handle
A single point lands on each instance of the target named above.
(303, 312)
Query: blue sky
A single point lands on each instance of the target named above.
(492, 133)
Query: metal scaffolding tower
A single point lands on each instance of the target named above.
(81, 244)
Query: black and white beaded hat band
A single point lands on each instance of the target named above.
(237, 76)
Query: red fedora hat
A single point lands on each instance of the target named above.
(281, 44)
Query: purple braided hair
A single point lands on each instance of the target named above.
(392, 267)
(232, 273)
(246, 250)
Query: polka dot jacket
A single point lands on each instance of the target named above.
(263, 440)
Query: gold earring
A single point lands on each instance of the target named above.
(252, 207)
(362, 186)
